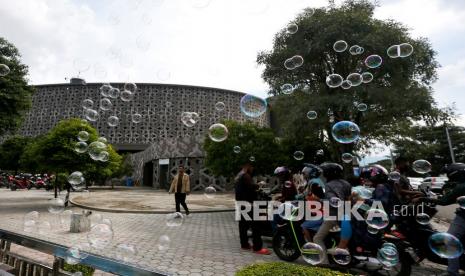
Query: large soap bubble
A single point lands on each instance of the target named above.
(163, 243)
(373, 61)
(80, 147)
(95, 148)
(114, 93)
(210, 192)
(218, 132)
(287, 88)
(105, 104)
(220, 106)
(253, 106)
(131, 87)
(174, 219)
(76, 178)
(334, 80)
(91, 114)
(346, 84)
(87, 103)
(345, 132)
(421, 166)
(367, 77)
(341, 256)
(377, 219)
(4, 70)
(445, 245)
(340, 46)
(292, 28)
(312, 253)
(312, 114)
(347, 157)
(100, 236)
(125, 252)
(83, 136)
(105, 89)
(126, 96)
(56, 205)
(113, 121)
(136, 118)
(355, 79)
(298, 155)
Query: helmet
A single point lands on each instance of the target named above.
(331, 171)
(311, 171)
(376, 174)
(454, 171)
(280, 170)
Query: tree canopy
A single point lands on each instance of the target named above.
(256, 142)
(11, 151)
(399, 95)
(15, 93)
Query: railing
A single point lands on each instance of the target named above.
(25, 266)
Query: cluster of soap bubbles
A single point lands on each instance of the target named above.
(401, 50)
(97, 150)
(293, 62)
(388, 255)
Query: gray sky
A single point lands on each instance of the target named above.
(199, 42)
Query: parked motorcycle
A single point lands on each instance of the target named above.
(21, 181)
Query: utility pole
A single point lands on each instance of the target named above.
(452, 157)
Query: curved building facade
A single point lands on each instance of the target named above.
(160, 142)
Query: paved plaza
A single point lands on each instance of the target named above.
(206, 243)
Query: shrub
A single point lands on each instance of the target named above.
(280, 268)
(86, 270)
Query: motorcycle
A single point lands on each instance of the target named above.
(288, 242)
(21, 182)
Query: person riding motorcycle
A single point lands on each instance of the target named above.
(456, 174)
(403, 188)
(335, 187)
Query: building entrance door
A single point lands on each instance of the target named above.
(164, 181)
(148, 174)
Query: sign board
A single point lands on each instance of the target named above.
(163, 161)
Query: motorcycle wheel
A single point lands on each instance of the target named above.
(13, 187)
(285, 246)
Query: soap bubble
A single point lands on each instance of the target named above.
(163, 243)
(100, 236)
(253, 106)
(105, 104)
(136, 118)
(289, 64)
(373, 61)
(347, 157)
(95, 219)
(393, 51)
(91, 114)
(174, 219)
(461, 201)
(360, 50)
(220, 106)
(105, 89)
(298, 155)
(372, 230)
(377, 219)
(355, 79)
(56, 205)
(341, 256)
(367, 77)
(218, 132)
(405, 50)
(189, 119)
(423, 218)
(108, 222)
(131, 87)
(287, 88)
(312, 253)
(388, 255)
(104, 156)
(126, 95)
(102, 140)
(292, 28)
(30, 225)
(362, 107)
(335, 202)
(113, 93)
(288, 211)
(65, 219)
(340, 46)
(355, 50)
(125, 252)
(421, 166)
(312, 115)
(345, 132)
(394, 176)
(4, 70)
(346, 84)
(334, 80)
(298, 61)
(87, 103)
(445, 245)
(80, 147)
(237, 149)
(73, 255)
(75, 178)
(210, 192)
(113, 121)
(83, 136)
(95, 148)
(252, 158)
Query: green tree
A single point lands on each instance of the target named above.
(11, 151)
(15, 93)
(430, 143)
(399, 94)
(55, 152)
(253, 141)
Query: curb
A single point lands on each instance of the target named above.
(142, 211)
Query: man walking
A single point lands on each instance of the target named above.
(181, 187)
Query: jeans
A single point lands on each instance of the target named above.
(456, 228)
(320, 236)
(245, 225)
(180, 199)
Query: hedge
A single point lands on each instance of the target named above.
(284, 269)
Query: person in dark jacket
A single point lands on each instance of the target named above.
(456, 173)
(246, 190)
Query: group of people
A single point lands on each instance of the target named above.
(326, 181)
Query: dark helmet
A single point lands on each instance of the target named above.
(455, 171)
(332, 171)
(376, 174)
(311, 171)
